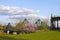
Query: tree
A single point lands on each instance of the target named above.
(1, 27)
(19, 26)
(44, 25)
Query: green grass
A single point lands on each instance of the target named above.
(48, 35)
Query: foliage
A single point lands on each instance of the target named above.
(1, 27)
(19, 26)
(44, 25)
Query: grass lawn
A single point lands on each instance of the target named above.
(48, 35)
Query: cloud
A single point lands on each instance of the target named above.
(7, 10)
(19, 17)
(15, 14)
(30, 17)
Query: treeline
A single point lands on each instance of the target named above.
(42, 25)
(2, 27)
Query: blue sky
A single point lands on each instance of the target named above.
(45, 7)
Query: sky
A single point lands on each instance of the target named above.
(15, 10)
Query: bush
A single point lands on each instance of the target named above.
(44, 26)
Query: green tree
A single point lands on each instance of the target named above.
(44, 25)
(19, 26)
(1, 27)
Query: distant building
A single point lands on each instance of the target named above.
(8, 28)
(38, 22)
(26, 21)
